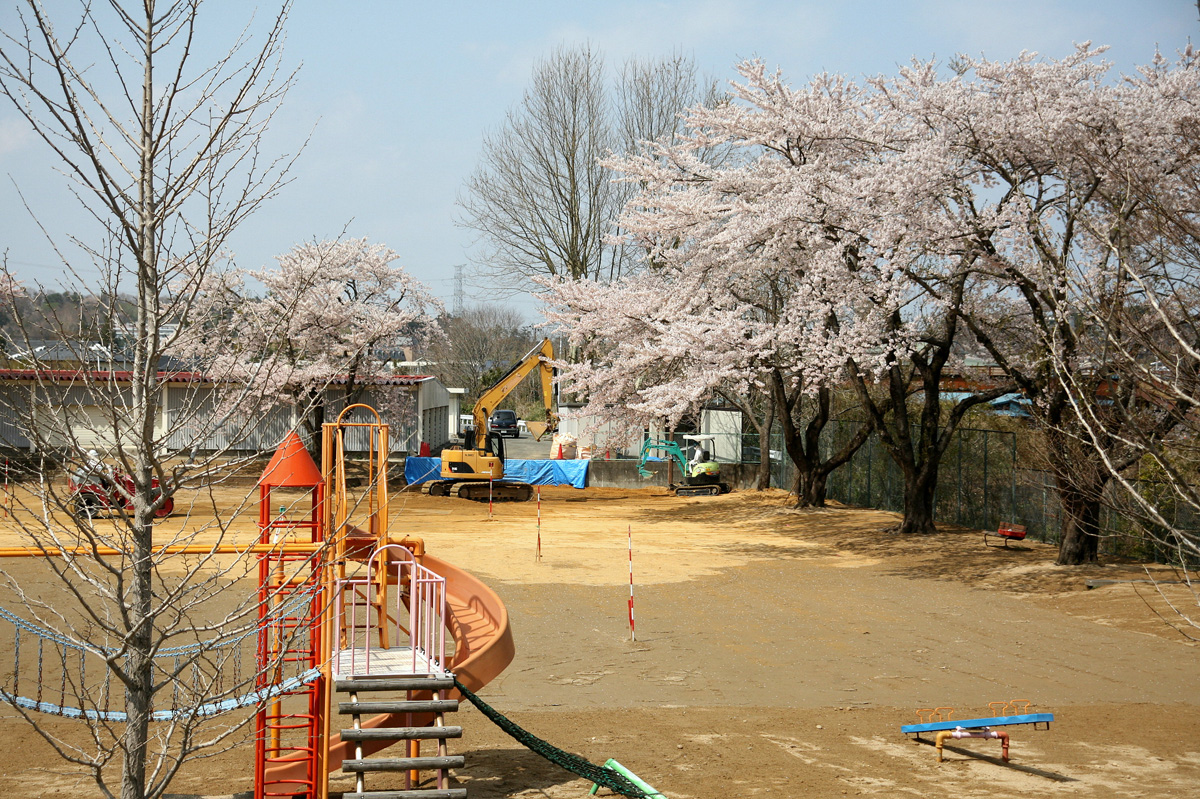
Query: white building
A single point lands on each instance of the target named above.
(56, 405)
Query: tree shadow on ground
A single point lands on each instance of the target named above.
(954, 554)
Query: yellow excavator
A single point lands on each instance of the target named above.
(468, 470)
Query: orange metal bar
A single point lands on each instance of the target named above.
(258, 548)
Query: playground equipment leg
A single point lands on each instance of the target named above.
(957, 734)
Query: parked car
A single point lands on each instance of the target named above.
(504, 422)
(97, 494)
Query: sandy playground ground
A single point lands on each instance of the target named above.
(778, 652)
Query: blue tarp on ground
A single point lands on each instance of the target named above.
(546, 473)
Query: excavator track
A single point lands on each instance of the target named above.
(499, 491)
(701, 491)
(437, 488)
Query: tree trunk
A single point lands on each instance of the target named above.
(762, 475)
(919, 497)
(139, 663)
(312, 407)
(803, 446)
(811, 493)
(1080, 526)
(1080, 478)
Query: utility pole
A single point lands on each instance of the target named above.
(458, 290)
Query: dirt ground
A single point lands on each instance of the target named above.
(778, 652)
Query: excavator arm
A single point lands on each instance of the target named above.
(476, 470)
(537, 358)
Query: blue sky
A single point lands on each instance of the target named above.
(398, 95)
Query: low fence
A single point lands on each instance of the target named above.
(983, 483)
(624, 473)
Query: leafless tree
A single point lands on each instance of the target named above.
(480, 346)
(540, 200)
(165, 154)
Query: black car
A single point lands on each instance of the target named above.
(504, 423)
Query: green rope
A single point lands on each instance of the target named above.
(575, 764)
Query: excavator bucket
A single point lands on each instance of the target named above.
(538, 429)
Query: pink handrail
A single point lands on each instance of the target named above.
(426, 633)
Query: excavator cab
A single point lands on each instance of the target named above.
(494, 443)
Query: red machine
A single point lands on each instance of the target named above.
(110, 494)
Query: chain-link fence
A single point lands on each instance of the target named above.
(983, 482)
(977, 479)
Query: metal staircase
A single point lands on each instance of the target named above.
(424, 698)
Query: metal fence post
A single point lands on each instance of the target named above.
(1013, 479)
(1044, 526)
(887, 480)
(870, 468)
(986, 526)
(958, 514)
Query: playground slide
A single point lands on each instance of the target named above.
(478, 622)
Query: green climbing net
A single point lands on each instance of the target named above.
(575, 764)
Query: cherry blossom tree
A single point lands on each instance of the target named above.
(1135, 328)
(331, 312)
(1055, 222)
(745, 286)
(899, 221)
(780, 239)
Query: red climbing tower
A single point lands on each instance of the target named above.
(290, 604)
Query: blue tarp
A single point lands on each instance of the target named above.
(546, 473)
(419, 470)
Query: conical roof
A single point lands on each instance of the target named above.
(291, 466)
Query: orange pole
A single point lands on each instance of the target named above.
(416, 545)
(290, 548)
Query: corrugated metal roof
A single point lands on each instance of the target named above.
(67, 375)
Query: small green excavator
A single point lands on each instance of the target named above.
(700, 479)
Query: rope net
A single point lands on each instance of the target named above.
(54, 673)
(618, 783)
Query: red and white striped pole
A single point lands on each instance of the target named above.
(632, 634)
(489, 499)
(537, 555)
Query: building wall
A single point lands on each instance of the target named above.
(438, 414)
(197, 422)
(14, 416)
(605, 438)
(62, 414)
(726, 425)
(194, 418)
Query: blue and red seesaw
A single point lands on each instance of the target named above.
(1005, 714)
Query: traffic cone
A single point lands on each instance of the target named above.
(558, 457)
